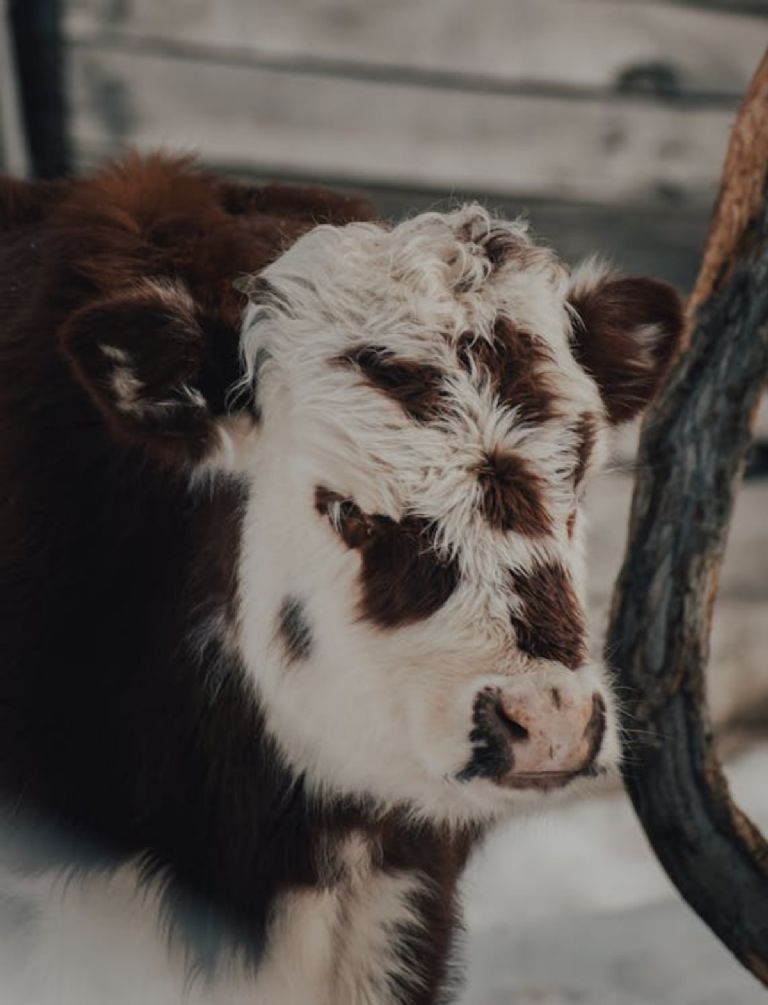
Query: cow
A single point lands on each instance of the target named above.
(291, 550)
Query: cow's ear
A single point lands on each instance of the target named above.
(145, 359)
(625, 331)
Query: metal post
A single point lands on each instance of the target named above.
(36, 36)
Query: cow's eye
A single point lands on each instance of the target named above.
(353, 526)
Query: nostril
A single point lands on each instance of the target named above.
(514, 730)
(491, 738)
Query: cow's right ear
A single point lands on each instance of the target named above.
(625, 332)
(143, 358)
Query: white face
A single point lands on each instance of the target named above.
(411, 581)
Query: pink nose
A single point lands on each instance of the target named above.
(529, 736)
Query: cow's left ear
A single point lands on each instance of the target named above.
(625, 331)
(153, 369)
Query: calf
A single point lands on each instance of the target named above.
(291, 585)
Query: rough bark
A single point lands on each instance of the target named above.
(692, 453)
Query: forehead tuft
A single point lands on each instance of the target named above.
(441, 292)
(451, 271)
(429, 365)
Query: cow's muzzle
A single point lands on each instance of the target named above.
(539, 732)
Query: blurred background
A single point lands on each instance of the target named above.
(605, 122)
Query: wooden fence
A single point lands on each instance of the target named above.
(607, 119)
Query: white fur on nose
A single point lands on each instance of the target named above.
(557, 723)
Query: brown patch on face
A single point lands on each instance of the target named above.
(586, 431)
(571, 523)
(512, 495)
(513, 363)
(403, 577)
(294, 629)
(550, 622)
(417, 387)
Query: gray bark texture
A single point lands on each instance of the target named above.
(692, 453)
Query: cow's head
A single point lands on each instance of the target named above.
(428, 402)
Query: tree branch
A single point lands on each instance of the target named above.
(691, 457)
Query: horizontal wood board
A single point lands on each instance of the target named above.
(375, 132)
(582, 44)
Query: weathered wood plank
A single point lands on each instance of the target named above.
(373, 132)
(579, 43)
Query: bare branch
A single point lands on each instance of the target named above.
(692, 453)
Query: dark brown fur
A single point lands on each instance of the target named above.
(431, 950)
(513, 363)
(416, 387)
(606, 339)
(295, 630)
(402, 577)
(513, 495)
(23, 203)
(165, 351)
(549, 628)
